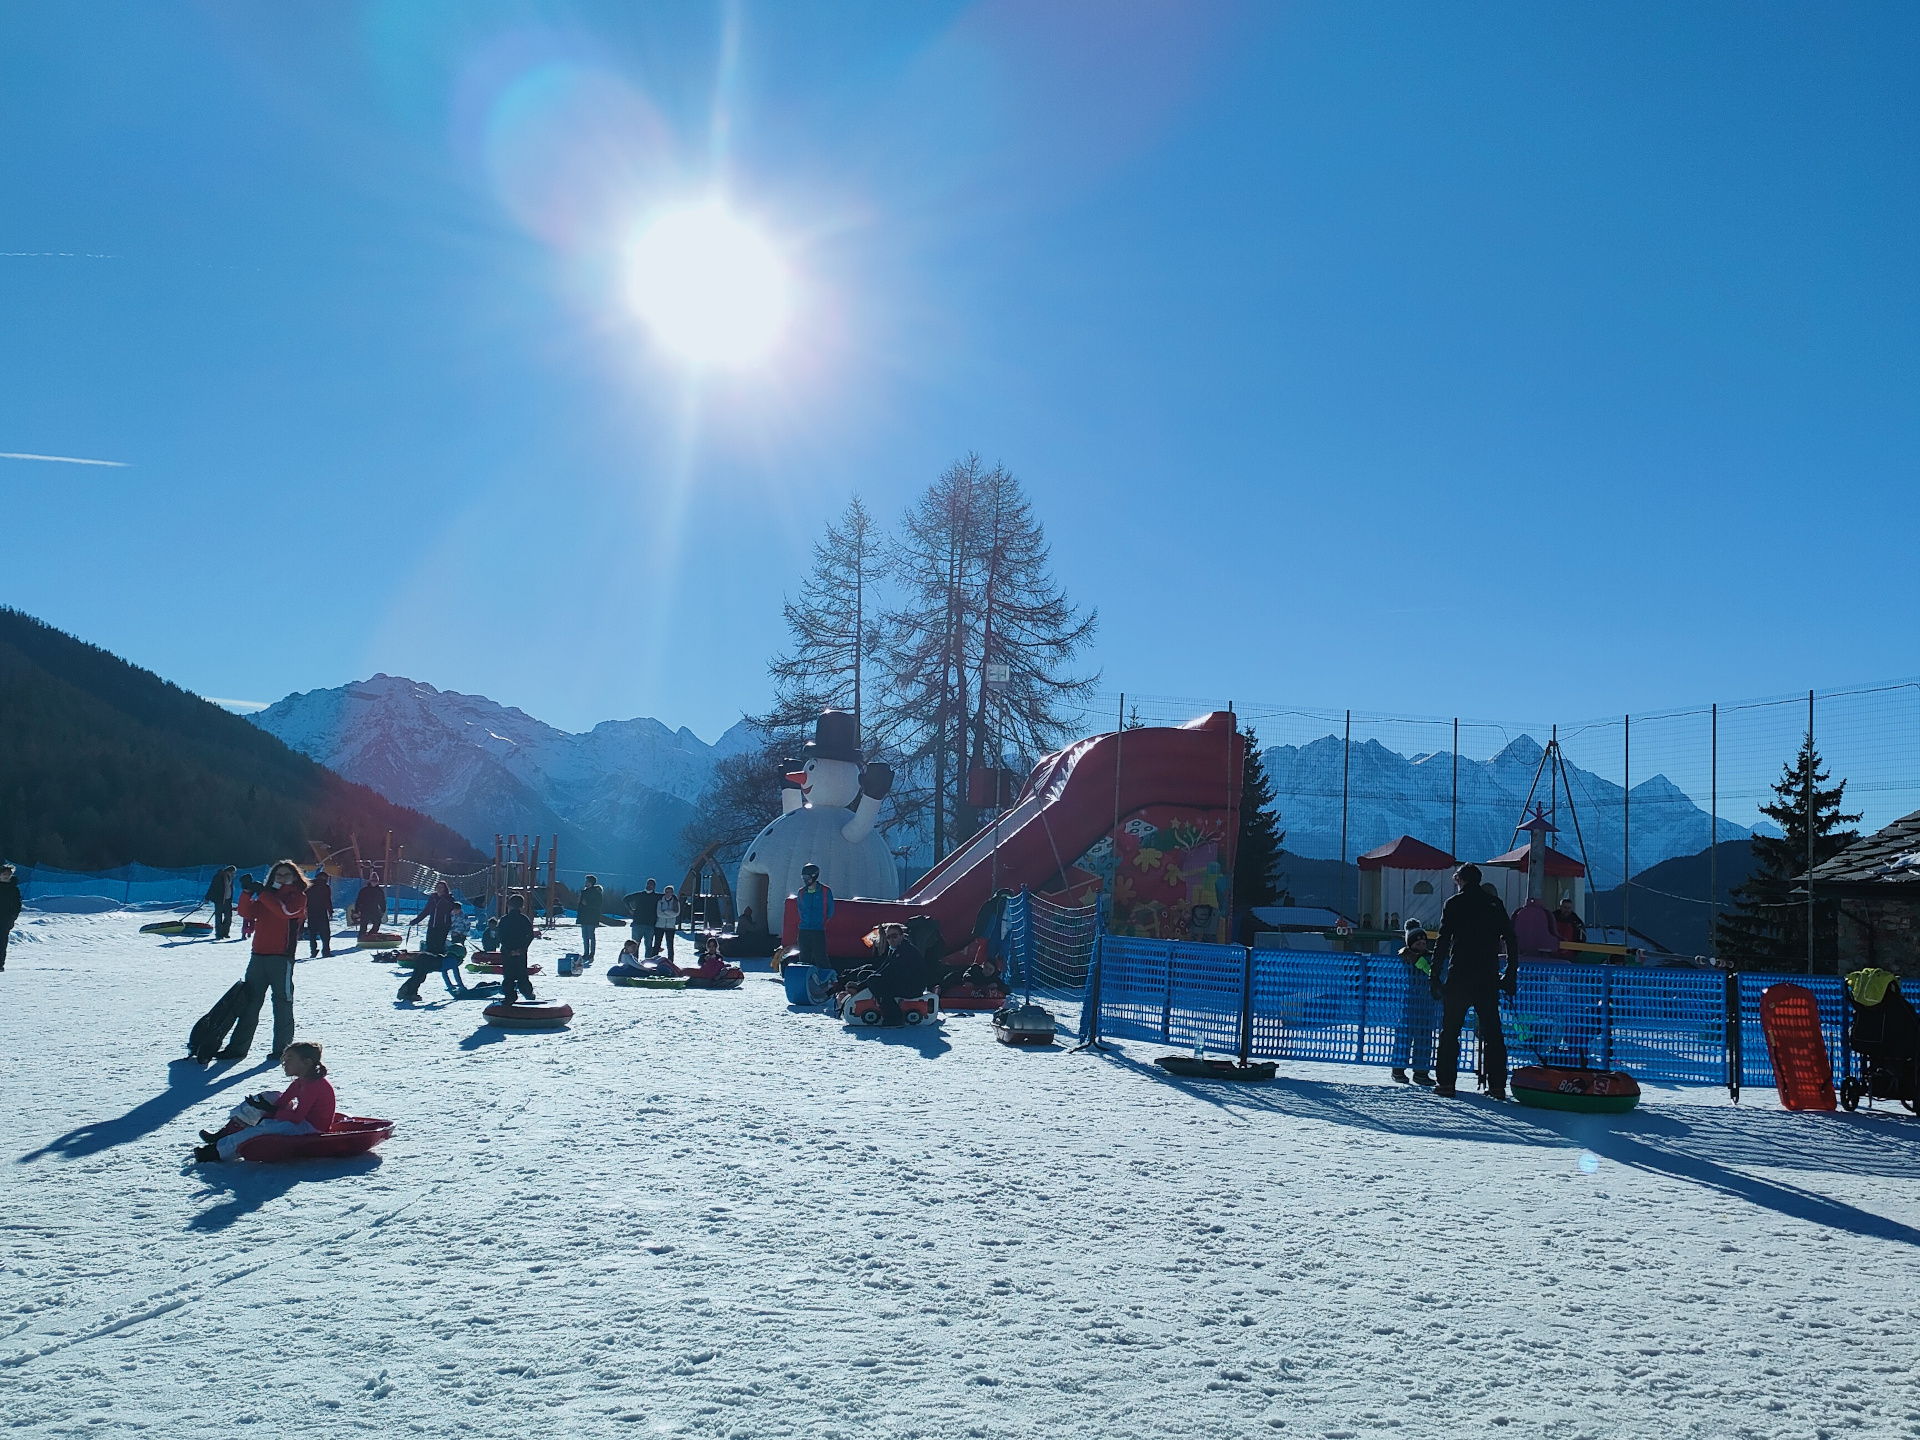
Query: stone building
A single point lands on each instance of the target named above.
(1876, 882)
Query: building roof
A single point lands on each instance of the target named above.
(1888, 859)
(1406, 853)
(1557, 864)
(1297, 917)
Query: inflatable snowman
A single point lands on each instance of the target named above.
(827, 816)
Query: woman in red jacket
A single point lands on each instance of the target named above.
(277, 913)
(306, 1107)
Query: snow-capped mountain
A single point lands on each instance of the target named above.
(1390, 795)
(617, 795)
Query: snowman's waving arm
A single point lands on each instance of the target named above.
(875, 782)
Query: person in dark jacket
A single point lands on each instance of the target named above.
(1567, 923)
(276, 912)
(1466, 976)
(220, 896)
(319, 915)
(516, 938)
(643, 908)
(9, 908)
(370, 908)
(593, 903)
(900, 971)
(438, 911)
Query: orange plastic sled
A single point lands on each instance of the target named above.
(1790, 1019)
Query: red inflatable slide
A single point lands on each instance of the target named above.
(1068, 805)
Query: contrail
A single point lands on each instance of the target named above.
(61, 459)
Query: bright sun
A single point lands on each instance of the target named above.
(710, 287)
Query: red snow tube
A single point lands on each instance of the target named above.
(350, 1135)
(541, 1015)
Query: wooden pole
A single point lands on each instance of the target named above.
(553, 875)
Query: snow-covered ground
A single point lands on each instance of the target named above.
(702, 1214)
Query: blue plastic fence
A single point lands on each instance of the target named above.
(1656, 1024)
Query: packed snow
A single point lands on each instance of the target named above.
(707, 1214)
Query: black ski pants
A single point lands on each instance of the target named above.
(589, 929)
(1481, 995)
(265, 973)
(513, 975)
(222, 919)
(319, 933)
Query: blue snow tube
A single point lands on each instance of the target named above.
(795, 978)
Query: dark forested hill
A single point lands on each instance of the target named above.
(102, 763)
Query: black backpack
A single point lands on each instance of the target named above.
(209, 1032)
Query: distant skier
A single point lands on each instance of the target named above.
(592, 905)
(9, 909)
(1473, 926)
(276, 913)
(816, 908)
(220, 896)
(516, 938)
(319, 914)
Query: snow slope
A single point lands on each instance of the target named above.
(699, 1214)
(617, 795)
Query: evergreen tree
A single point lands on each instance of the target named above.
(1256, 855)
(1768, 929)
(834, 625)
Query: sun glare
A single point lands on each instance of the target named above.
(709, 286)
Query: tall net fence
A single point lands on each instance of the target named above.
(1049, 952)
(1656, 807)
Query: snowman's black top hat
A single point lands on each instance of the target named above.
(836, 736)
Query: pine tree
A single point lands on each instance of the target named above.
(1768, 929)
(834, 625)
(1256, 855)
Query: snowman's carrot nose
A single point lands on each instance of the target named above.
(798, 777)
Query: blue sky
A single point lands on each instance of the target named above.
(1325, 336)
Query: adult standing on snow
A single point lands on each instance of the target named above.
(220, 896)
(9, 909)
(593, 902)
(319, 914)
(643, 907)
(276, 912)
(516, 938)
(370, 908)
(816, 908)
(667, 922)
(437, 911)
(1473, 927)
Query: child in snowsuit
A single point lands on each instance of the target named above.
(306, 1107)
(1413, 1041)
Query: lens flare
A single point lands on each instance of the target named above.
(709, 286)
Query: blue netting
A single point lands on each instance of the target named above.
(1755, 1067)
(1049, 948)
(1657, 1024)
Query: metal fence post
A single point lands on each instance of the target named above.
(1732, 1041)
(1166, 1005)
(1246, 1004)
(1360, 1034)
(1606, 1017)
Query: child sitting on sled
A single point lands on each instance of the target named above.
(713, 971)
(306, 1107)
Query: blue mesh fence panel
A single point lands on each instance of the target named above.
(1307, 1005)
(1755, 1067)
(1558, 1013)
(1203, 1001)
(1049, 952)
(1667, 1024)
(1135, 985)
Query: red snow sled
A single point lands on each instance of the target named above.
(350, 1135)
(863, 1009)
(1790, 1019)
(728, 979)
(529, 1015)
